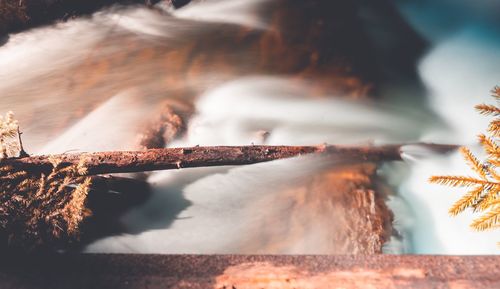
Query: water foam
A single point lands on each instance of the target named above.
(241, 12)
(235, 112)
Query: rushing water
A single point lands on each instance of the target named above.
(77, 87)
(458, 71)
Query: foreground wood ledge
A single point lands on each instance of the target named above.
(202, 271)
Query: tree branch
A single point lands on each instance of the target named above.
(176, 158)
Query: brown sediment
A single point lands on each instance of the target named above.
(169, 123)
(337, 211)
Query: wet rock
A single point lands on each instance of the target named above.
(16, 15)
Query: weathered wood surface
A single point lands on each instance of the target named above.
(176, 158)
(191, 271)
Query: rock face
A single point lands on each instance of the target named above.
(337, 211)
(17, 15)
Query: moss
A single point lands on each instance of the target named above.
(38, 210)
(12, 13)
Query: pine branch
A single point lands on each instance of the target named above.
(488, 221)
(460, 181)
(474, 163)
(486, 201)
(490, 147)
(494, 128)
(495, 92)
(488, 109)
(493, 173)
(485, 195)
(494, 203)
(466, 201)
(75, 208)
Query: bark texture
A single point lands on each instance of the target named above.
(177, 158)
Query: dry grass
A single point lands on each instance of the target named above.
(40, 209)
(9, 136)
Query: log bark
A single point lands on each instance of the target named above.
(188, 157)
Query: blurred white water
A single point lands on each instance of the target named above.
(89, 134)
(45, 69)
(227, 210)
(281, 107)
(243, 12)
(219, 210)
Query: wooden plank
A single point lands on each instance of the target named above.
(203, 271)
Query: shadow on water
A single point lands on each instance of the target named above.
(3, 39)
(128, 206)
(167, 200)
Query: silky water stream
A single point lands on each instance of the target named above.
(91, 84)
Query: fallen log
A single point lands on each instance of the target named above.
(44, 199)
(189, 157)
